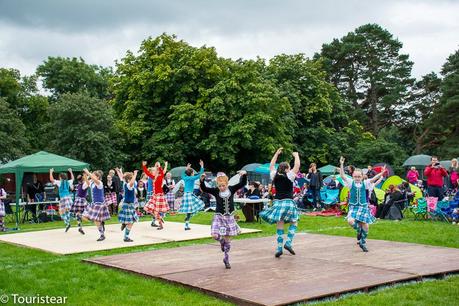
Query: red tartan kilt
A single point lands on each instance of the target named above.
(156, 204)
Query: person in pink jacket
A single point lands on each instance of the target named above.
(413, 176)
(435, 173)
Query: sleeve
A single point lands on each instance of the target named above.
(148, 173)
(427, 170)
(70, 183)
(129, 187)
(242, 183)
(160, 172)
(177, 186)
(57, 183)
(100, 185)
(207, 189)
(347, 182)
(369, 185)
(444, 172)
(272, 174)
(197, 176)
(85, 186)
(291, 175)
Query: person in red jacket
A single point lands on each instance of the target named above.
(434, 174)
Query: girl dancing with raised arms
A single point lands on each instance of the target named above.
(359, 216)
(223, 224)
(284, 209)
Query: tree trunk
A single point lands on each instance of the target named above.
(374, 109)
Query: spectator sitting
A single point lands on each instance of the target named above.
(253, 192)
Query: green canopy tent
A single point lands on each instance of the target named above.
(39, 162)
(328, 170)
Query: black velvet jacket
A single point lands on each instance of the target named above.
(225, 205)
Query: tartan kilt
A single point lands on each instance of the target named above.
(170, 198)
(79, 205)
(281, 210)
(110, 198)
(127, 214)
(2, 209)
(149, 195)
(65, 204)
(156, 204)
(360, 213)
(191, 204)
(96, 212)
(224, 225)
(177, 203)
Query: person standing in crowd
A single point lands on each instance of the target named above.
(413, 176)
(434, 174)
(454, 174)
(371, 172)
(34, 194)
(111, 199)
(315, 183)
(116, 186)
(2, 209)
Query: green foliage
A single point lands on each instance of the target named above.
(71, 75)
(12, 133)
(181, 103)
(370, 72)
(81, 127)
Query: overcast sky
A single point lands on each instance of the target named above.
(101, 31)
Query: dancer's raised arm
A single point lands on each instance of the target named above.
(272, 165)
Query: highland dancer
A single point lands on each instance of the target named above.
(190, 204)
(359, 216)
(224, 225)
(283, 209)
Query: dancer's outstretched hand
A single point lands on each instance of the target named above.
(144, 163)
(188, 166)
(242, 172)
(201, 163)
(279, 151)
(341, 160)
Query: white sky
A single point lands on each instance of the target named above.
(101, 31)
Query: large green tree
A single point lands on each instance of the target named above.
(31, 107)
(445, 118)
(370, 72)
(71, 75)
(82, 127)
(181, 103)
(14, 142)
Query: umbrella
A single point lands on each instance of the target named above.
(445, 163)
(328, 170)
(417, 160)
(251, 167)
(264, 169)
(378, 167)
(177, 172)
(234, 179)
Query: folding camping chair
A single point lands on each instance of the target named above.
(420, 210)
(440, 211)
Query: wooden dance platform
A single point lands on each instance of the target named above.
(59, 242)
(325, 266)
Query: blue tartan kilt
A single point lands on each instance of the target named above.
(65, 204)
(190, 204)
(96, 212)
(360, 213)
(127, 213)
(281, 210)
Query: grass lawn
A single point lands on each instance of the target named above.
(30, 272)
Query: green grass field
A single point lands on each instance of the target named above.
(29, 272)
